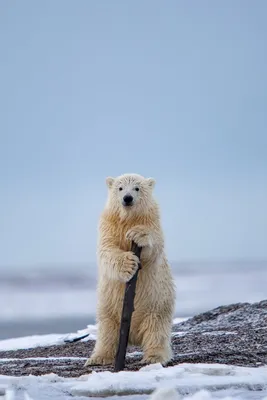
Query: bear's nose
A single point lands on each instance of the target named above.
(128, 199)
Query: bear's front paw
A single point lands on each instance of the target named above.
(139, 235)
(129, 266)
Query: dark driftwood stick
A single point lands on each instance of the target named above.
(127, 310)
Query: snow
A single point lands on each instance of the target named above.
(172, 394)
(2, 360)
(178, 320)
(152, 382)
(91, 330)
(29, 342)
(185, 378)
(185, 381)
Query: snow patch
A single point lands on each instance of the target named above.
(167, 394)
(90, 330)
(172, 394)
(29, 342)
(185, 381)
(185, 378)
(179, 320)
(2, 360)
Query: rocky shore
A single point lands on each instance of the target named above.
(235, 334)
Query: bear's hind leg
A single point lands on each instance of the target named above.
(106, 343)
(156, 339)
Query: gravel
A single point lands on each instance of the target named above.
(235, 334)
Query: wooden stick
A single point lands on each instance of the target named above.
(127, 310)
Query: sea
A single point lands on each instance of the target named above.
(62, 298)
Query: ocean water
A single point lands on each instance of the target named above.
(62, 299)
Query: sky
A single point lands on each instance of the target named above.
(174, 90)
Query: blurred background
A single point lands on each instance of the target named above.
(175, 90)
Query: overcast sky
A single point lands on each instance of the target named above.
(176, 90)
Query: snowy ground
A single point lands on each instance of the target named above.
(29, 342)
(219, 381)
(39, 296)
(190, 381)
(185, 378)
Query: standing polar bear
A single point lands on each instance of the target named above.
(132, 214)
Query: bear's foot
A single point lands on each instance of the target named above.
(153, 360)
(154, 356)
(98, 359)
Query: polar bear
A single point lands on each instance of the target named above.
(132, 214)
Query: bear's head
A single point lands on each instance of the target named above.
(130, 193)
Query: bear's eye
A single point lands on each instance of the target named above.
(137, 189)
(120, 188)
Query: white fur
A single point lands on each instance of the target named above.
(155, 292)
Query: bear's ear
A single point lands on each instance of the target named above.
(110, 181)
(151, 182)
